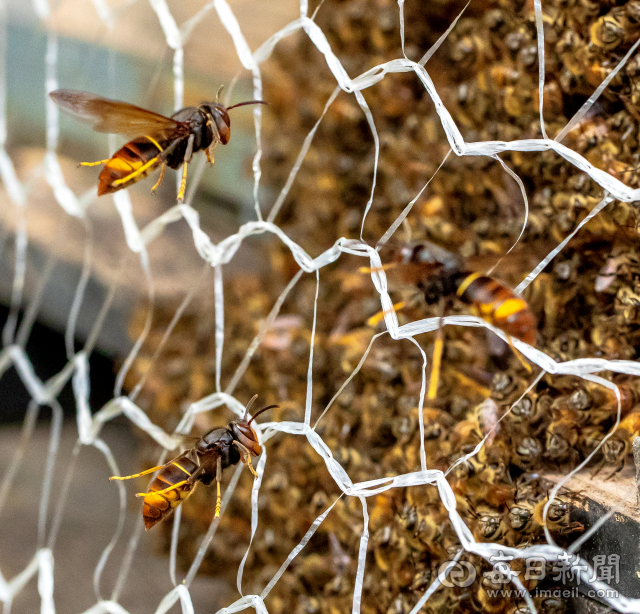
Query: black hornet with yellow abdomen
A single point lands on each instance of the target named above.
(205, 462)
(165, 141)
(439, 273)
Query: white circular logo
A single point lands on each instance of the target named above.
(462, 574)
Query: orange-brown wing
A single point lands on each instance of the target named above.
(414, 273)
(514, 265)
(114, 116)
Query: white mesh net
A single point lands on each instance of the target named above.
(177, 28)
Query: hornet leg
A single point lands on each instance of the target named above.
(159, 158)
(436, 360)
(136, 475)
(98, 163)
(385, 267)
(193, 477)
(162, 168)
(218, 480)
(598, 467)
(187, 158)
(216, 138)
(376, 318)
(164, 490)
(519, 356)
(157, 185)
(245, 455)
(137, 172)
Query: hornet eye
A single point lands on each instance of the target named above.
(248, 438)
(223, 123)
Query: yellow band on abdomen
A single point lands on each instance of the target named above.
(466, 282)
(510, 307)
(118, 164)
(180, 467)
(154, 142)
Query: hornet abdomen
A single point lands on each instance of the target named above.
(131, 163)
(498, 305)
(157, 506)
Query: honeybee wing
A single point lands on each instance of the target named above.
(114, 116)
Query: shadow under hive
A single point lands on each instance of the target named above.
(586, 301)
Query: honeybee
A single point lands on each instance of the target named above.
(590, 438)
(558, 515)
(521, 518)
(619, 445)
(421, 579)
(596, 404)
(439, 273)
(562, 436)
(505, 388)
(527, 452)
(490, 523)
(608, 31)
(488, 597)
(529, 410)
(165, 141)
(205, 462)
(428, 529)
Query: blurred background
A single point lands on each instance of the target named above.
(116, 49)
(130, 61)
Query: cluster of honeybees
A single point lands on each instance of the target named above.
(585, 303)
(372, 431)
